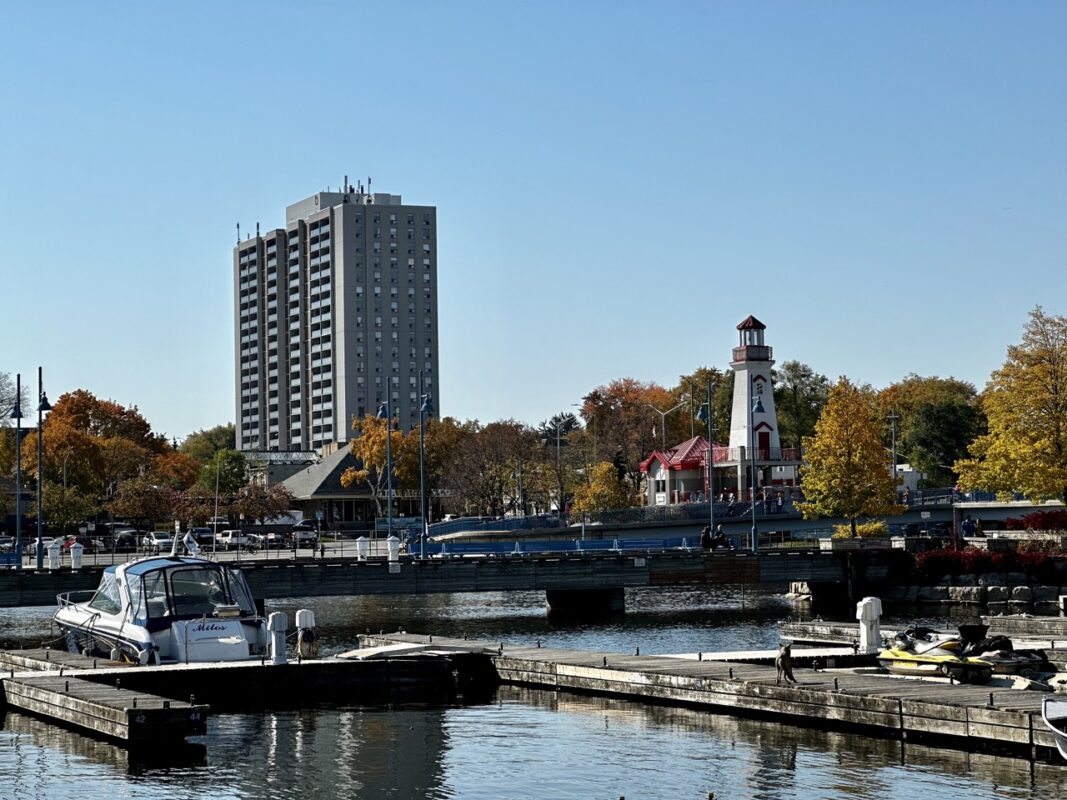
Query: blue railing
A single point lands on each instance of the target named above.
(562, 546)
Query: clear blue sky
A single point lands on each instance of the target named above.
(618, 184)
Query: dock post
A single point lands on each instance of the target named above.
(869, 612)
(277, 623)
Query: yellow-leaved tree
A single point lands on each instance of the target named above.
(1025, 402)
(604, 491)
(369, 448)
(846, 471)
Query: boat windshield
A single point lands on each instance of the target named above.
(107, 598)
(196, 590)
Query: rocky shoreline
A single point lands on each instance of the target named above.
(999, 593)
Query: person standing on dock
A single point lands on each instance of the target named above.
(705, 538)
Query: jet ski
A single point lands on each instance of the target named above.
(1000, 652)
(924, 652)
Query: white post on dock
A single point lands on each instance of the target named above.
(393, 545)
(869, 612)
(362, 547)
(76, 551)
(54, 551)
(277, 624)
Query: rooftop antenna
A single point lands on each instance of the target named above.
(257, 230)
(368, 184)
(238, 233)
(346, 184)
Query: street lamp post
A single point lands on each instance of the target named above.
(42, 406)
(386, 412)
(704, 415)
(755, 408)
(425, 409)
(16, 414)
(516, 474)
(893, 439)
(663, 420)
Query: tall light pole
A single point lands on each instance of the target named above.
(386, 412)
(704, 415)
(42, 406)
(426, 408)
(16, 414)
(663, 419)
(756, 408)
(893, 438)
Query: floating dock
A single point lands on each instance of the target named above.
(963, 716)
(137, 706)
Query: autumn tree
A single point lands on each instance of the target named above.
(1025, 401)
(603, 491)
(140, 499)
(176, 469)
(261, 503)
(846, 470)
(481, 467)
(442, 437)
(626, 427)
(370, 449)
(799, 396)
(225, 472)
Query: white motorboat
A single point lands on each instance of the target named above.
(165, 609)
(1054, 713)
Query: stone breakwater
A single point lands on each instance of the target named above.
(1002, 593)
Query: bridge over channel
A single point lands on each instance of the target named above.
(571, 581)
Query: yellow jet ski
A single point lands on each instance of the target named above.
(925, 652)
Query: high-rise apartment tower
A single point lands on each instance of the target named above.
(334, 313)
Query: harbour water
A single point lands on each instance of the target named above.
(516, 743)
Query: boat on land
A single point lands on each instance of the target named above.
(922, 652)
(1054, 714)
(165, 609)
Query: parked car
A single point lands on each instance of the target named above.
(7, 544)
(157, 542)
(305, 533)
(203, 535)
(88, 544)
(125, 542)
(234, 540)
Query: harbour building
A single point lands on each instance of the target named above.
(334, 314)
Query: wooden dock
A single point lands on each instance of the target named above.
(963, 716)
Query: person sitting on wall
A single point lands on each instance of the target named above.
(720, 539)
(705, 538)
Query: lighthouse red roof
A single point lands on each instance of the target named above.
(751, 322)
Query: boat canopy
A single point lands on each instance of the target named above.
(165, 589)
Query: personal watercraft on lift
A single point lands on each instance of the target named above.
(924, 652)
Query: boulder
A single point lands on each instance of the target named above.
(966, 594)
(1021, 594)
(1046, 594)
(996, 594)
(992, 579)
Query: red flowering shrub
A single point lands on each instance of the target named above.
(1045, 521)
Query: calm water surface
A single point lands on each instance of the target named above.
(521, 744)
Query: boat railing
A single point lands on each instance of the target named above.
(74, 598)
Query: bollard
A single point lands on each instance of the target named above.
(637, 651)
(55, 551)
(135, 703)
(118, 683)
(362, 548)
(700, 656)
(869, 613)
(605, 661)
(306, 646)
(277, 623)
(731, 673)
(835, 684)
(76, 551)
(990, 699)
(538, 644)
(392, 544)
(66, 688)
(431, 638)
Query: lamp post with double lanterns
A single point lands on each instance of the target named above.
(386, 412)
(16, 414)
(425, 410)
(42, 406)
(756, 408)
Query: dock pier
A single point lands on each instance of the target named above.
(962, 716)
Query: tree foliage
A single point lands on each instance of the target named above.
(603, 491)
(65, 506)
(846, 471)
(1026, 404)
(142, 500)
(799, 396)
(204, 444)
(371, 447)
(226, 471)
(936, 420)
(483, 466)
(261, 503)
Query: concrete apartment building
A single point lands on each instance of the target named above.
(332, 314)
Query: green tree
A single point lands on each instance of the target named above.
(226, 470)
(1026, 405)
(846, 470)
(65, 506)
(482, 464)
(936, 419)
(204, 444)
(799, 396)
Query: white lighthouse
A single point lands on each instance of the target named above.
(753, 422)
